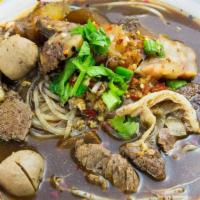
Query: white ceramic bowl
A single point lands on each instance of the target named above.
(190, 7)
(11, 9)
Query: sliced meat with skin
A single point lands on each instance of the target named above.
(97, 159)
(59, 47)
(48, 27)
(179, 62)
(148, 160)
(18, 56)
(15, 118)
(166, 140)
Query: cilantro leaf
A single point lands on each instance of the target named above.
(125, 128)
(84, 50)
(82, 61)
(57, 86)
(96, 37)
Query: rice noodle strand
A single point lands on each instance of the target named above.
(50, 119)
(51, 105)
(44, 123)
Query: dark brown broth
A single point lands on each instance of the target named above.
(59, 161)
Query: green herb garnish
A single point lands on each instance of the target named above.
(126, 73)
(97, 71)
(96, 37)
(126, 128)
(176, 84)
(82, 61)
(67, 94)
(116, 88)
(58, 85)
(153, 48)
(111, 100)
(84, 66)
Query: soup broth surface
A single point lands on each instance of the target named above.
(181, 167)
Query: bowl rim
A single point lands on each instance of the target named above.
(185, 7)
(188, 8)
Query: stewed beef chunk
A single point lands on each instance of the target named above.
(166, 140)
(147, 159)
(48, 27)
(121, 173)
(15, 118)
(98, 160)
(58, 48)
(192, 92)
(93, 157)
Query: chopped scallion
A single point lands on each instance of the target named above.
(175, 84)
(111, 100)
(125, 128)
(126, 73)
(115, 89)
(153, 48)
(78, 83)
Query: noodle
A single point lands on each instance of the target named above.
(44, 108)
(29, 92)
(44, 123)
(36, 134)
(50, 94)
(58, 107)
(36, 123)
(51, 106)
(50, 117)
(69, 124)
